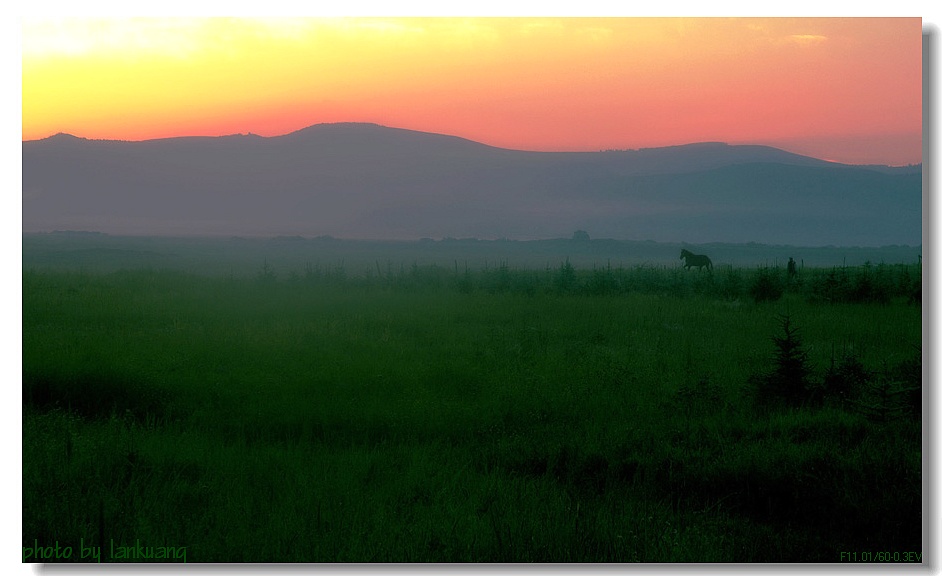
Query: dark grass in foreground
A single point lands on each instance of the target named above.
(508, 415)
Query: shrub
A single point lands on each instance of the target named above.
(909, 374)
(870, 286)
(831, 287)
(894, 393)
(604, 281)
(844, 381)
(564, 280)
(699, 399)
(768, 286)
(267, 274)
(864, 285)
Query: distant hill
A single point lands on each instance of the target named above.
(372, 182)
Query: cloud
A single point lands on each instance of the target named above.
(530, 27)
(82, 36)
(596, 34)
(777, 33)
(807, 39)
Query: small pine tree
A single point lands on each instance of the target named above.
(894, 393)
(789, 382)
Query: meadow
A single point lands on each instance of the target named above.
(427, 412)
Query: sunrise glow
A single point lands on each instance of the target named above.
(846, 89)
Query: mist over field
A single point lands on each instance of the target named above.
(363, 181)
(98, 252)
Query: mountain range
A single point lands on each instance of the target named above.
(355, 180)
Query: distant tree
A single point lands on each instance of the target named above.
(580, 235)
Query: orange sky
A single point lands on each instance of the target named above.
(844, 89)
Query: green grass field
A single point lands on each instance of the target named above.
(427, 413)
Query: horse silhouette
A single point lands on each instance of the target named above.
(698, 260)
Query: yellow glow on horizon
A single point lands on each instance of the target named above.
(515, 82)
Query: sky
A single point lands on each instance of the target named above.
(841, 89)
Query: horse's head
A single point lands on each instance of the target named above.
(684, 253)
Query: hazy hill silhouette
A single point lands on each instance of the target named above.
(367, 181)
